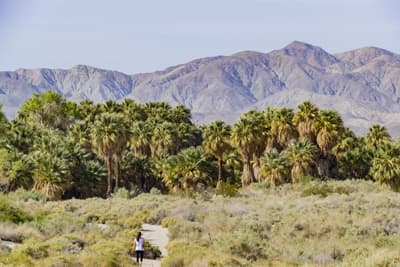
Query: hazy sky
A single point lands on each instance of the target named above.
(147, 35)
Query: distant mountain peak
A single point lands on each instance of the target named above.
(313, 55)
(363, 55)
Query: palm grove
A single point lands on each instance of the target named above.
(63, 149)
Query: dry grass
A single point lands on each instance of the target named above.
(337, 223)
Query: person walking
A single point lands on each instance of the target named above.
(139, 247)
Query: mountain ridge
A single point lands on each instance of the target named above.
(365, 79)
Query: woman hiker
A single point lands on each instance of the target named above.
(139, 247)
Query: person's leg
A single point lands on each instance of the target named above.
(137, 256)
(141, 256)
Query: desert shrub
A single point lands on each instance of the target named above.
(17, 233)
(138, 218)
(25, 195)
(150, 251)
(10, 213)
(324, 189)
(155, 191)
(16, 258)
(185, 229)
(305, 179)
(36, 250)
(168, 221)
(182, 253)
(106, 253)
(247, 244)
(227, 189)
(60, 222)
(122, 193)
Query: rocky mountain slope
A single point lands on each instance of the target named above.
(363, 84)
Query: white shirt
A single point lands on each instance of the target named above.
(139, 244)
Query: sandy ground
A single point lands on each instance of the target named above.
(158, 236)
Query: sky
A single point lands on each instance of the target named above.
(136, 36)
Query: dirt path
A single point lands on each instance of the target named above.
(158, 236)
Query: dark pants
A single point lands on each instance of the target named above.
(139, 253)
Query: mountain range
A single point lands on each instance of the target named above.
(363, 85)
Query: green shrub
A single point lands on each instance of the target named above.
(122, 193)
(10, 213)
(25, 195)
(227, 189)
(324, 189)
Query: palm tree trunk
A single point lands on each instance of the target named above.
(116, 173)
(219, 172)
(108, 162)
(248, 173)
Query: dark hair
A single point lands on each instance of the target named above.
(138, 236)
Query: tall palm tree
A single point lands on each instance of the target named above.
(304, 120)
(162, 138)
(140, 139)
(301, 154)
(180, 114)
(79, 133)
(282, 128)
(275, 167)
(377, 136)
(106, 134)
(216, 141)
(346, 142)
(158, 111)
(329, 127)
(133, 110)
(248, 135)
(87, 110)
(124, 134)
(233, 162)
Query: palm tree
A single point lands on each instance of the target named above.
(301, 154)
(180, 114)
(162, 138)
(377, 136)
(233, 162)
(79, 133)
(282, 128)
(52, 164)
(354, 163)
(275, 167)
(51, 174)
(133, 110)
(386, 166)
(329, 127)
(120, 146)
(140, 139)
(216, 141)
(304, 120)
(106, 134)
(111, 106)
(87, 110)
(158, 111)
(346, 142)
(248, 135)
(188, 170)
